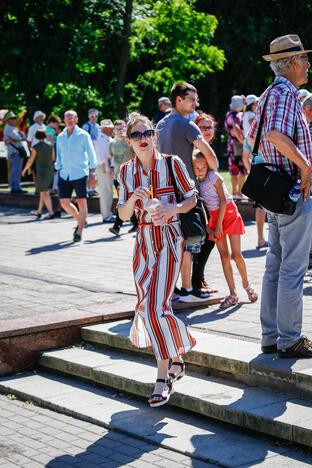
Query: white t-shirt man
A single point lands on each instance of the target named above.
(32, 132)
(101, 149)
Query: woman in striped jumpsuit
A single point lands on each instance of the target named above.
(158, 251)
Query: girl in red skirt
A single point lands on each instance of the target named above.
(225, 222)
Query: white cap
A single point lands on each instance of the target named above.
(303, 93)
(251, 99)
(39, 114)
(237, 103)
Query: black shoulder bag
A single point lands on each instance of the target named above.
(270, 189)
(193, 223)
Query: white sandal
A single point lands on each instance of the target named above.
(163, 391)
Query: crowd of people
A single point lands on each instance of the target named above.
(148, 164)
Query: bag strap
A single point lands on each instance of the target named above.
(173, 179)
(254, 153)
(14, 146)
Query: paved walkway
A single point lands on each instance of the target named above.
(33, 437)
(42, 271)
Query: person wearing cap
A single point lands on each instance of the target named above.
(234, 127)
(13, 139)
(105, 181)
(164, 107)
(286, 141)
(92, 127)
(38, 124)
(251, 102)
(249, 115)
(303, 93)
(119, 152)
(76, 161)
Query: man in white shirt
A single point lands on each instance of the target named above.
(38, 124)
(103, 171)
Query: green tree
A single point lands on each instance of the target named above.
(170, 42)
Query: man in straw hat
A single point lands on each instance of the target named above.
(286, 141)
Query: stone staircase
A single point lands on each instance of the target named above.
(227, 380)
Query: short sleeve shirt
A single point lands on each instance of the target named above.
(32, 132)
(14, 133)
(175, 135)
(132, 176)
(121, 152)
(283, 113)
(209, 193)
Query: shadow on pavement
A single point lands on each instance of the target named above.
(50, 247)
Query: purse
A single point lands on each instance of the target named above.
(270, 189)
(193, 223)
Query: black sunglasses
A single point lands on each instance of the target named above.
(136, 136)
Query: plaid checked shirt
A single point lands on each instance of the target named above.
(284, 114)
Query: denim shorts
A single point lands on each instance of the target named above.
(66, 187)
(193, 248)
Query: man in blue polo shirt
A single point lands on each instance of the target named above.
(76, 161)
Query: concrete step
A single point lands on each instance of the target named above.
(200, 438)
(271, 412)
(232, 357)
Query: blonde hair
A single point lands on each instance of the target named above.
(197, 154)
(135, 118)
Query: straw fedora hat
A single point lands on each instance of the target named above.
(9, 115)
(285, 46)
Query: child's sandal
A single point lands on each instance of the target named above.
(228, 301)
(161, 396)
(251, 293)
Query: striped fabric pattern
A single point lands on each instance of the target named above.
(157, 259)
(284, 114)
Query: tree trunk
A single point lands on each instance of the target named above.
(124, 59)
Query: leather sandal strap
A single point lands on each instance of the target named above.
(161, 380)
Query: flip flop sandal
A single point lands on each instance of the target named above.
(174, 377)
(251, 293)
(228, 301)
(160, 399)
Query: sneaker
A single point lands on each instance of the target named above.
(49, 216)
(269, 349)
(77, 237)
(176, 294)
(109, 219)
(196, 295)
(114, 231)
(301, 349)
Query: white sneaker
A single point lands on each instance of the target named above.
(193, 296)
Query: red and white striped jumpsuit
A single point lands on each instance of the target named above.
(157, 258)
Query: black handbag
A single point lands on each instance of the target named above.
(193, 223)
(269, 189)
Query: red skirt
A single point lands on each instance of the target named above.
(232, 221)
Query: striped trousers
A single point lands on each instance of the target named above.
(157, 261)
